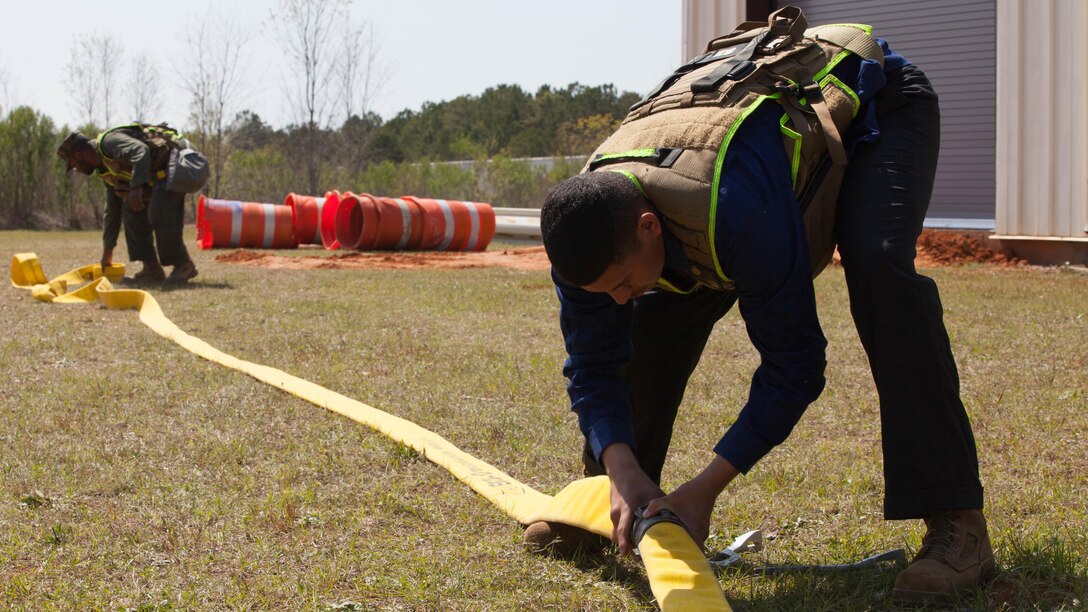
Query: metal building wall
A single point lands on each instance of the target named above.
(706, 19)
(1042, 114)
(1039, 186)
(954, 43)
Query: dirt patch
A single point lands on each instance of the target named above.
(529, 258)
(939, 248)
(936, 249)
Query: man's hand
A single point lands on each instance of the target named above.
(694, 500)
(107, 257)
(134, 199)
(631, 489)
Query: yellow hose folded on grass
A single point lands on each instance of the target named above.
(679, 575)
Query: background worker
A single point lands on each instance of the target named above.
(633, 345)
(132, 161)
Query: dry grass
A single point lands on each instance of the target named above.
(134, 475)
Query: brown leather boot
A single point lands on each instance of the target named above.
(182, 273)
(562, 540)
(151, 272)
(955, 558)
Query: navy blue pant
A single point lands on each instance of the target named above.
(930, 463)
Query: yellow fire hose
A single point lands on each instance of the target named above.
(679, 575)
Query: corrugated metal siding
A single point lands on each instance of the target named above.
(955, 44)
(1043, 113)
(704, 21)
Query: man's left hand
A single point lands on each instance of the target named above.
(692, 505)
(694, 500)
(134, 199)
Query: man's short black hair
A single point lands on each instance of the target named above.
(74, 142)
(588, 223)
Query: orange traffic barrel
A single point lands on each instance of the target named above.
(328, 220)
(230, 223)
(306, 217)
(452, 225)
(356, 222)
(400, 224)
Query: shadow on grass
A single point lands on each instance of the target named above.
(608, 566)
(1045, 575)
(1050, 574)
(812, 590)
(168, 287)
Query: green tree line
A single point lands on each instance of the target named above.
(410, 154)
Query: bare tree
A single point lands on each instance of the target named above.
(80, 80)
(6, 87)
(91, 76)
(108, 59)
(214, 77)
(358, 71)
(144, 88)
(308, 33)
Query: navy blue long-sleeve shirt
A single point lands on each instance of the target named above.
(760, 242)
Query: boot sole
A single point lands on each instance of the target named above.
(909, 596)
(179, 280)
(928, 597)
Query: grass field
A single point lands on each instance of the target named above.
(135, 475)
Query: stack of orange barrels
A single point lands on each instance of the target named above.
(352, 221)
(231, 223)
(365, 222)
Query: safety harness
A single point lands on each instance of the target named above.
(673, 142)
(160, 139)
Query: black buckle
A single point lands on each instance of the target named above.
(812, 90)
(643, 523)
(789, 89)
(662, 158)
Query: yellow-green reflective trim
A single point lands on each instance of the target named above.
(661, 281)
(845, 89)
(633, 178)
(718, 163)
(650, 152)
(864, 27)
(796, 136)
(673, 288)
(845, 52)
(831, 65)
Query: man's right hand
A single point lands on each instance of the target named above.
(631, 489)
(107, 257)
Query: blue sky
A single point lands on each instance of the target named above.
(433, 50)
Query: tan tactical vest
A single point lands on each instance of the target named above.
(673, 142)
(160, 139)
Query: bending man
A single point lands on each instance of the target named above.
(132, 160)
(645, 264)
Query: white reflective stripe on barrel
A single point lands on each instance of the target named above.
(235, 223)
(317, 225)
(406, 223)
(446, 212)
(269, 225)
(474, 232)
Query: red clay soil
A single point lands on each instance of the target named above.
(941, 248)
(530, 258)
(936, 248)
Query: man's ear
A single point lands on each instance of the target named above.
(649, 225)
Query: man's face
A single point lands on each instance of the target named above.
(638, 272)
(83, 162)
